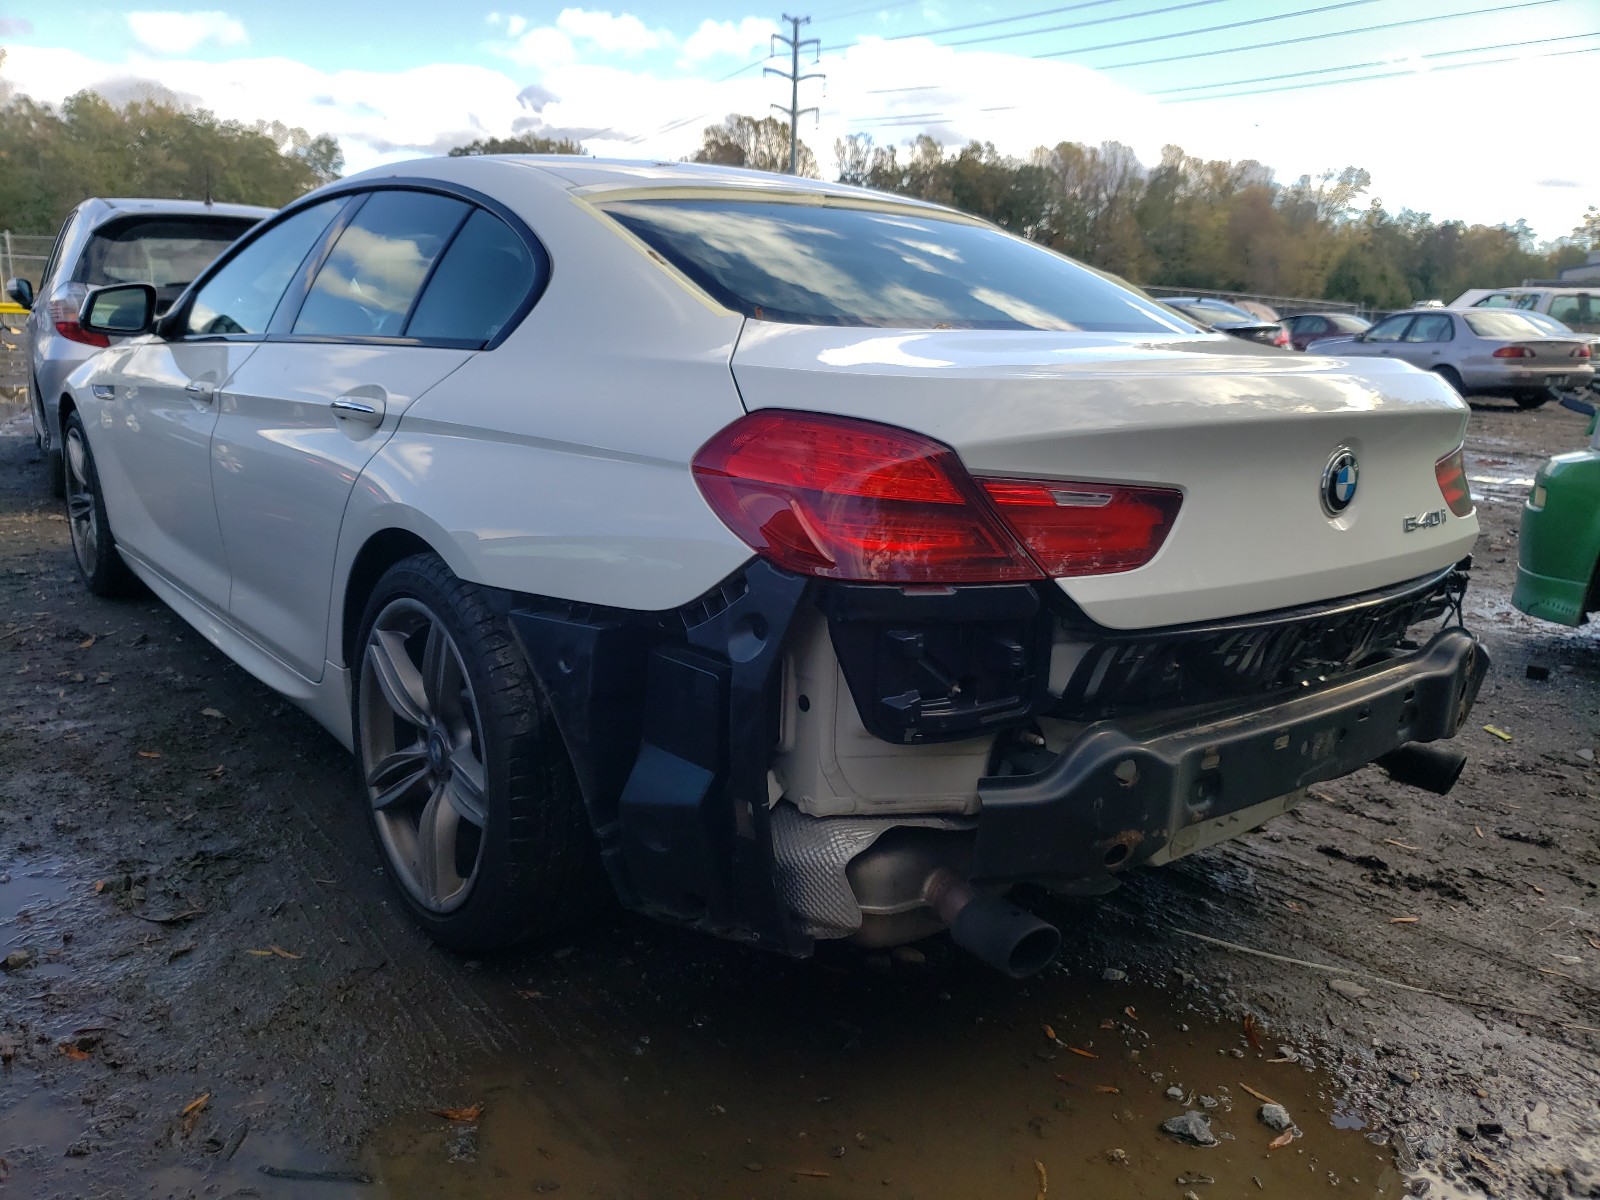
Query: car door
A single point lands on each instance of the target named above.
(1427, 340)
(386, 315)
(157, 409)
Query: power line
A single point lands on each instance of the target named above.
(1043, 12)
(1296, 87)
(1149, 12)
(1165, 37)
(1310, 37)
(1381, 62)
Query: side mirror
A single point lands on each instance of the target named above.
(125, 310)
(21, 291)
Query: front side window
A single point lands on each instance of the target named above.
(242, 295)
(481, 282)
(1389, 329)
(379, 264)
(807, 264)
(1435, 327)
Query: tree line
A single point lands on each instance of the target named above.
(1183, 222)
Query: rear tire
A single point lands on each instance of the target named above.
(1531, 400)
(94, 550)
(1453, 377)
(469, 794)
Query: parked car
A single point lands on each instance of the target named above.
(1558, 554)
(1307, 328)
(1230, 319)
(1576, 307)
(818, 563)
(1486, 351)
(163, 243)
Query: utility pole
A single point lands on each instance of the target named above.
(795, 80)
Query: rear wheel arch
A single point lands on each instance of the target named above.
(380, 552)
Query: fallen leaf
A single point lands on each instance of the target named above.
(196, 1105)
(99, 886)
(73, 1052)
(520, 992)
(1404, 920)
(1105, 1089)
(86, 643)
(1593, 942)
(1499, 733)
(1282, 1140)
(1048, 1032)
(1402, 845)
(282, 953)
(1258, 1095)
(1130, 1014)
(1044, 1180)
(149, 754)
(1250, 1033)
(469, 1114)
(1537, 888)
(216, 772)
(1294, 906)
(1478, 829)
(1083, 1053)
(214, 713)
(260, 953)
(806, 1173)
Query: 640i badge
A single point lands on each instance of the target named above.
(1425, 520)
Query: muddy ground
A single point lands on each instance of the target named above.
(217, 991)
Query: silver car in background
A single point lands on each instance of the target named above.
(1487, 351)
(164, 243)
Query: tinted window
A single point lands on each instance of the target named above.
(1580, 310)
(241, 296)
(1389, 329)
(1350, 324)
(483, 278)
(167, 252)
(379, 264)
(1311, 325)
(1501, 325)
(810, 265)
(1435, 327)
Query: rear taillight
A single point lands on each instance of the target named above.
(847, 499)
(1513, 352)
(1282, 337)
(1581, 352)
(65, 305)
(1451, 472)
(1086, 529)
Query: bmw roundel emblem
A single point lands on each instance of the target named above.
(1339, 479)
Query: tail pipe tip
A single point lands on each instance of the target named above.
(1008, 938)
(1430, 767)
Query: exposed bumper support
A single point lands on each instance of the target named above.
(1123, 790)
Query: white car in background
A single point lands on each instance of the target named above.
(807, 562)
(1486, 351)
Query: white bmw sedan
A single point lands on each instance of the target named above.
(789, 560)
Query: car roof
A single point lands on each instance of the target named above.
(598, 175)
(109, 207)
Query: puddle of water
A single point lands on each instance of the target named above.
(16, 416)
(929, 1083)
(37, 900)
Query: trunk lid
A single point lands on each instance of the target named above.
(1246, 433)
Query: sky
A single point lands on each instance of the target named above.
(1464, 109)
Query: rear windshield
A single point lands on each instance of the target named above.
(1216, 310)
(1501, 325)
(808, 265)
(1350, 324)
(167, 252)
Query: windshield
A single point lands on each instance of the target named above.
(1502, 325)
(1349, 324)
(808, 265)
(166, 252)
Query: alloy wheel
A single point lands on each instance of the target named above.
(83, 518)
(422, 751)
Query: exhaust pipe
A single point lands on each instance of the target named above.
(1432, 768)
(1006, 937)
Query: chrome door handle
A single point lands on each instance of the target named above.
(346, 409)
(199, 390)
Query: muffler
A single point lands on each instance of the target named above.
(1008, 938)
(1432, 768)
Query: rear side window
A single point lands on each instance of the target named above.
(379, 264)
(481, 282)
(811, 265)
(1580, 311)
(166, 252)
(242, 295)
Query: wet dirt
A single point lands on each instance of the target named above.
(184, 858)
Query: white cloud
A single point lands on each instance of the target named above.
(174, 33)
(626, 34)
(544, 48)
(512, 24)
(727, 38)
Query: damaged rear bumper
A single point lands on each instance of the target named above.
(1123, 791)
